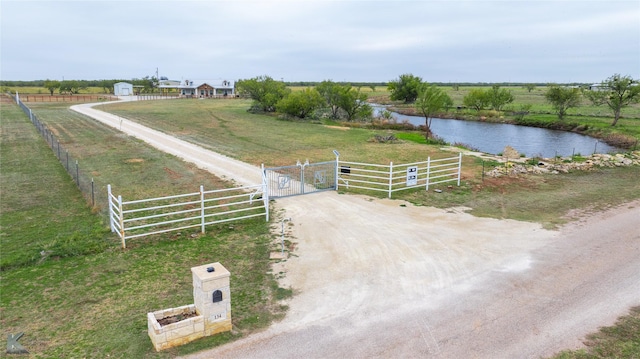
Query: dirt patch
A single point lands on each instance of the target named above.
(134, 160)
(172, 174)
(176, 318)
(338, 128)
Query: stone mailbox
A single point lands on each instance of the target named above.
(210, 314)
(212, 297)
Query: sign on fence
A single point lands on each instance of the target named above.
(412, 176)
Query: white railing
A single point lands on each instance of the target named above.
(392, 178)
(145, 217)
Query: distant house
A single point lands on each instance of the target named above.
(206, 88)
(122, 89)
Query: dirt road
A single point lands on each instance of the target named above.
(383, 278)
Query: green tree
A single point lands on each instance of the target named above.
(148, 83)
(617, 92)
(530, 87)
(354, 104)
(69, 87)
(265, 91)
(51, 85)
(331, 92)
(300, 103)
(107, 86)
(405, 88)
(498, 97)
(477, 99)
(430, 101)
(562, 99)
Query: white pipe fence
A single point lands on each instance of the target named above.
(392, 178)
(145, 217)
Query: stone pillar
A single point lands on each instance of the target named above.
(212, 297)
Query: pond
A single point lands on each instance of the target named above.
(493, 137)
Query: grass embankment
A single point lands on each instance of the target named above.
(225, 126)
(619, 341)
(84, 296)
(587, 119)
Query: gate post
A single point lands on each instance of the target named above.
(122, 232)
(428, 171)
(390, 178)
(202, 220)
(460, 168)
(337, 170)
(265, 191)
(109, 196)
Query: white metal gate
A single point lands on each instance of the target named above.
(302, 178)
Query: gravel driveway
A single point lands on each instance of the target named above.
(383, 278)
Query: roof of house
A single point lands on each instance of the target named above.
(218, 83)
(169, 83)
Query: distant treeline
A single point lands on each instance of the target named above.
(461, 84)
(40, 83)
(144, 81)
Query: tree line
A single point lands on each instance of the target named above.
(146, 84)
(616, 92)
(342, 101)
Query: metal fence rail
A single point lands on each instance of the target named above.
(392, 178)
(145, 217)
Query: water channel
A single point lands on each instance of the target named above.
(493, 137)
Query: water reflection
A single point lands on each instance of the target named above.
(493, 137)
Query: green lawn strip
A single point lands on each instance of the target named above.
(134, 169)
(226, 127)
(95, 306)
(620, 341)
(42, 212)
(545, 199)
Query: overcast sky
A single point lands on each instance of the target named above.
(314, 40)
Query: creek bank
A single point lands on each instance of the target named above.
(613, 139)
(563, 164)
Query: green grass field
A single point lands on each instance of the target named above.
(85, 297)
(65, 281)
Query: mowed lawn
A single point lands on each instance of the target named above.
(65, 281)
(226, 127)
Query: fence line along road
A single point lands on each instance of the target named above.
(84, 182)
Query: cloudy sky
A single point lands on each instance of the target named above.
(313, 40)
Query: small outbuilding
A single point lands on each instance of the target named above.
(122, 89)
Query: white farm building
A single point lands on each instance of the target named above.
(122, 89)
